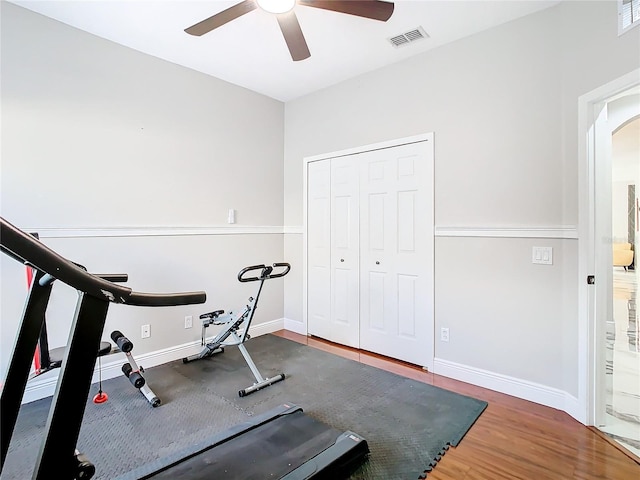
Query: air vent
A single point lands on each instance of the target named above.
(408, 37)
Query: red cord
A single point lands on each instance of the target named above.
(101, 396)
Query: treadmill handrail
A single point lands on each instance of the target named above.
(22, 246)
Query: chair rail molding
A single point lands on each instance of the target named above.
(569, 232)
(154, 231)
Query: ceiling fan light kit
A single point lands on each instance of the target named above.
(288, 21)
(276, 6)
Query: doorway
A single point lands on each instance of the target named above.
(610, 387)
(621, 419)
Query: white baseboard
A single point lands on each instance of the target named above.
(295, 326)
(267, 327)
(44, 386)
(534, 392)
(575, 408)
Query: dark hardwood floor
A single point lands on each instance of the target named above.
(513, 438)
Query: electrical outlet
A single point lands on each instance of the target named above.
(188, 321)
(146, 331)
(444, 334)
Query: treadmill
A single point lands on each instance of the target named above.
(283, 443)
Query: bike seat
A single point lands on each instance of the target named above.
(213, 314)
(57, 354)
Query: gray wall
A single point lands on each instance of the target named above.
(503, 105)
(99, 138)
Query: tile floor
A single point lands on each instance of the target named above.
(623, 363)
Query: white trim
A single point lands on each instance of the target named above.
(153, 231)
(295, 326)
(45, 385)
(552, 231)
(573, 407)
(297, 230)
(587, 353)
(534, 392)
(267, 327)
(569, 232)
(304, 328)
(367, 148)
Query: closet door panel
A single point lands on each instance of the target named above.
(407, 300)
(396, 216)
(378, 209)
(319, 248)
(375, 308)
(345, 246)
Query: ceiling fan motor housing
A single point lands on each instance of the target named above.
(289, 25)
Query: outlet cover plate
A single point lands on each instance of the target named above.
(444, 334)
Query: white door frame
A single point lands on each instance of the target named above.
(303, 329)
(590, 333)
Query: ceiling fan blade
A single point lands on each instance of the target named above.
(219, 19)
(293, 36)
(374, 9)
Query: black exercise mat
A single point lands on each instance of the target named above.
(407, 424)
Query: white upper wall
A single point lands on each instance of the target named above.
(95, 134)
(502, 104)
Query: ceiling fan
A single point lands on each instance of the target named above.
(283, 9)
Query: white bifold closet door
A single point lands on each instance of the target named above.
(370, 251)
(345, 251)
(395, 244)
(319, 320)
(333, 250)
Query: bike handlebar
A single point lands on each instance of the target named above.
(265, 273)
(25, 248)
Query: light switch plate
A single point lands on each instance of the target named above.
(542, 255)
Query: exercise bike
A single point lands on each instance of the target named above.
(229, 336)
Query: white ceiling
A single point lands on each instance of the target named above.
(250, 51)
